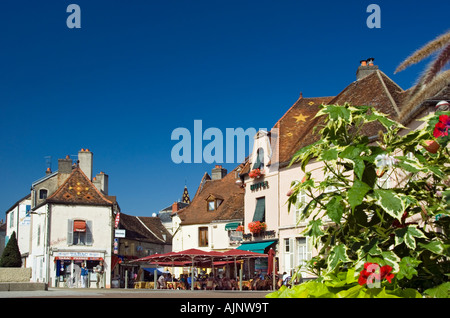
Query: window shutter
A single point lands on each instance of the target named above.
(89, 238)
(70, 232)
(260, 210)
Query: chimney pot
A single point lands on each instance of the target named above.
(363, 62)
(175, 207)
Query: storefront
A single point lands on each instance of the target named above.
(67, 268)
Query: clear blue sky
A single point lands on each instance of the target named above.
(137, 70)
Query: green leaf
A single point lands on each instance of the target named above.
(337, 255)
(335, 209)
(313, 228)
(408, 267)
(391, 259)
(435, 247)
(441, 291)
(357, 192)
(351, 292)
(329, 154)
(390, 202)
(407, 235)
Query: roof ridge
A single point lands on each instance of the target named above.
(162, 240)
(388, 93)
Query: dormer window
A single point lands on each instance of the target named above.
(43, 194)
(213, 202)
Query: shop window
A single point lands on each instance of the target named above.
(203, 237)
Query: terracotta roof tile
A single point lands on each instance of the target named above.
(232, 207)
(78, 189)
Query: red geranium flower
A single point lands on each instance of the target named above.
(373, 271)
(441, 128)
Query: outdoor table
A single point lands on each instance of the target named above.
(138, 285)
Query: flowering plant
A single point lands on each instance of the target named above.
(442, 126)
(240, 228)
(373, 273)
(257, 226)
(256, 173)
(371, 221)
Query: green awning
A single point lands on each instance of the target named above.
(260, 210)
(257, 247)
(232, 226)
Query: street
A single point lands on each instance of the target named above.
(132, 293)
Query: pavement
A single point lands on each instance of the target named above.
(131, 293)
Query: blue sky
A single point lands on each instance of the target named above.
(137, 70)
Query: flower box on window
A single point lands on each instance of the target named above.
(256, 173)
(257, 227)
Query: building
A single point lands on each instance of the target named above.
(265, 191)
(136, 237)
(210, 221)
(165, 215)
(67, 219)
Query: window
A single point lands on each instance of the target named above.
(303, 251)
(259, 162)
(79, 232)
(299, 206)
(211, 205)
(203, 237)
(38, 235)
(260, 210)
(288, 254)
(43, 194)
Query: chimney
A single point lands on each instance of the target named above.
(175, 207)
(218, 172)
(85, 158)
(48, 171)
(65, 165)
(101, 182)
(366, 68)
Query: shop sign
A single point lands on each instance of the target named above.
(117, 220)
(119, 233)
(78, 255)
(259, 185)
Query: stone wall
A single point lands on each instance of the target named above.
(16, 275)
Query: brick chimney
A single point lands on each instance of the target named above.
(101, 182)
(218, 172)
(366, 67)
(85, 158)
(65, 165)
(175, 207)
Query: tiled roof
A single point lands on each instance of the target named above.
(232, 207)
(297, 124)
(78, 189)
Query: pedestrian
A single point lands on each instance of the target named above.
(99, 271)
(84, 275)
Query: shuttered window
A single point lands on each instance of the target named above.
(79, 232)
(260, 210)
(203, 237)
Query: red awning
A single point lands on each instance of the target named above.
(79, 226)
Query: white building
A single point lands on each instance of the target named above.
(69, 219)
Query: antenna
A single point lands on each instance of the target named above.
(48, 162)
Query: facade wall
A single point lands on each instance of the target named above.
(19, 220)
(101, 225)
